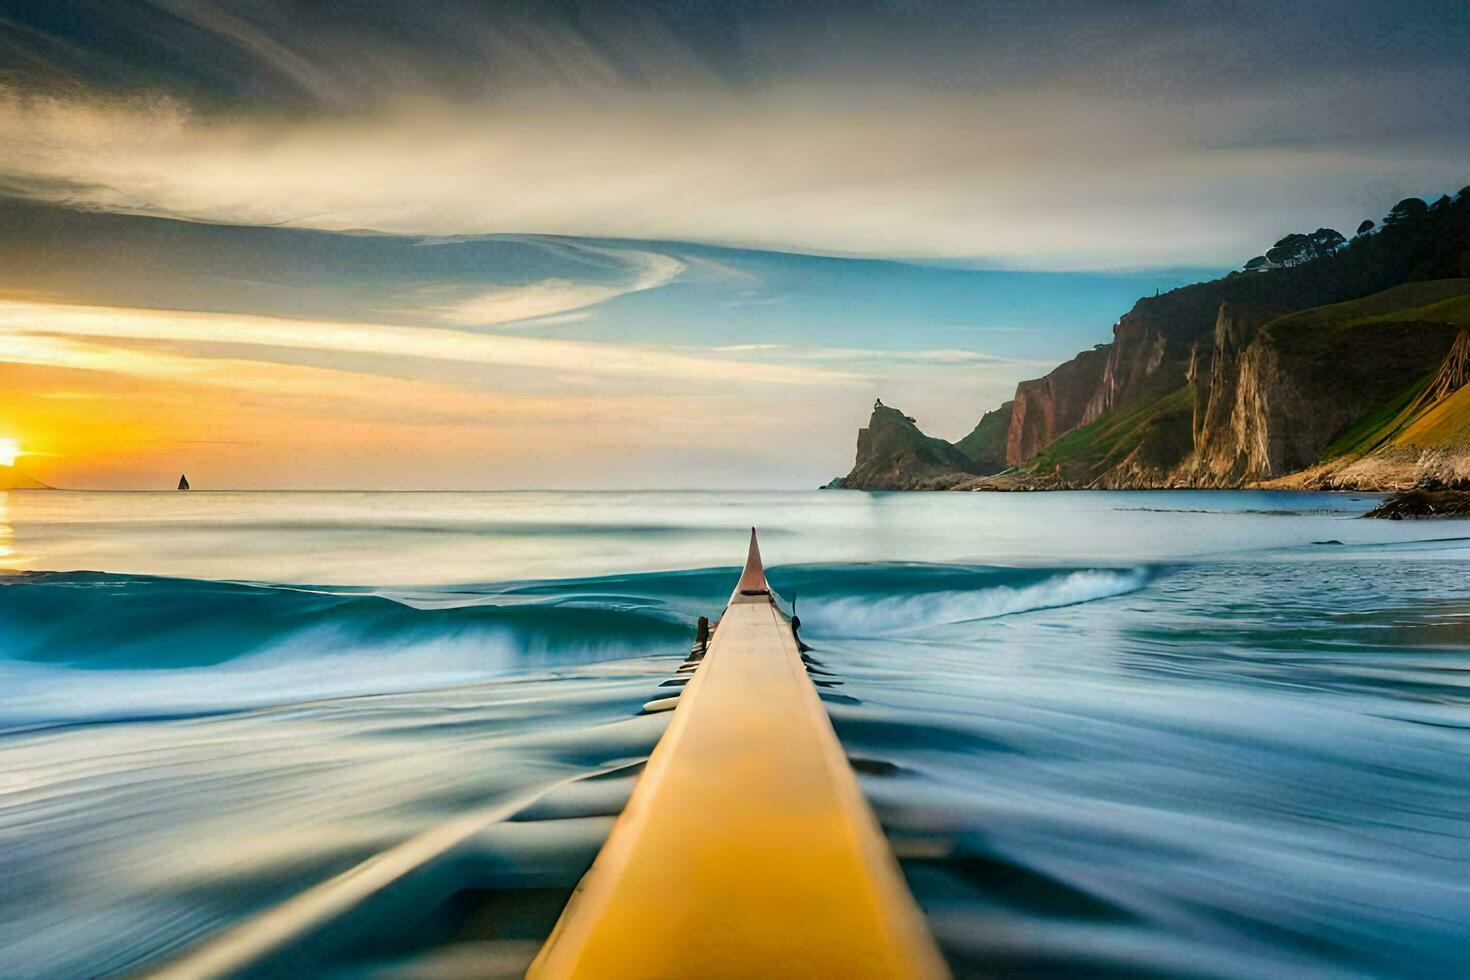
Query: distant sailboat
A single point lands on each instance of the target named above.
(183, 482)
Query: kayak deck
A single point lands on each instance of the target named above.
(746, 848)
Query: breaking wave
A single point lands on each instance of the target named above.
(91, 646)
(986, 594)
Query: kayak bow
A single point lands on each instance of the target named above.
(746, 849)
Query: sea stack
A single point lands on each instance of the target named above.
(892, 454)
(183, 482)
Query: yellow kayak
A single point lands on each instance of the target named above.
(746, 849)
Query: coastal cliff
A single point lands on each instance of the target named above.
(1280, 402)
(1286, 377)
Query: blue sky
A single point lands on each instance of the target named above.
(558, 244)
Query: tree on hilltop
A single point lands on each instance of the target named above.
(1405, 212)
(1289, 251)
(1296, 248)
(1325, 241)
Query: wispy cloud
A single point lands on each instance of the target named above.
(21, 323)
(869, 355)
(750, 348)
(542, 301)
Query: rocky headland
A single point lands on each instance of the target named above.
(1343, 366)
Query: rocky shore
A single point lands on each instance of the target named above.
(1423, 503)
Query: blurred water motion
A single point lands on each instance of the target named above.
(1195, 739)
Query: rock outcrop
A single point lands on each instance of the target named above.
(1220, 455)
(892, 454)
(1423, 503)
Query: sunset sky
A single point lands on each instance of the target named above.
(452, 245)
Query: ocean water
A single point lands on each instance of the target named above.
(1142, 734)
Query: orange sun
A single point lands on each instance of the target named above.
(9, 451)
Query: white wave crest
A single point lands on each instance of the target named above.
(888, 615)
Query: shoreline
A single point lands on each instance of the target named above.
(1415, 503)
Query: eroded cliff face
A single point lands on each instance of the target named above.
(1221, 452)
(1054, 405)
(1388, 468)
(1275, 406)
(1150, 352)
(1145, 345)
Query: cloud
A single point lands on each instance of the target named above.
(23, 325)
(270, 53)
(1051, 135)
(542, 301)
(114, 394)
(948, 356)
(939, 357)
(1039, 179)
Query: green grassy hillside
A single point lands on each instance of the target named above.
(1371, 429)
(1440, 301)
(1405, 418)
(1357, 362)
(1446, 423)
(986, 443)
(1398, 303)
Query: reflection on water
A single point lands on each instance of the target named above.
(1216, 748)
(437, 538)
(8, 557)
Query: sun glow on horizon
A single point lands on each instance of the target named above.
(10, 451)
